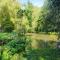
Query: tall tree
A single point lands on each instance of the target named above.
(12, 7)
(29, 13)
(53, 15)
(41, 21)
(6, 23)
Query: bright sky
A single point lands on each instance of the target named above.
(38, 3)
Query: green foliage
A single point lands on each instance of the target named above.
(49, 17)
(6, 24)
(44, 54)
(52, 20)
(53, 7)
(6, 54)
(46, 19)
(20, 13)
(28, 13)
(41, 22)
(17, 46)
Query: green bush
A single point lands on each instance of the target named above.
(6, 23)
(44, 54)
(17, 46)
(7, 26)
